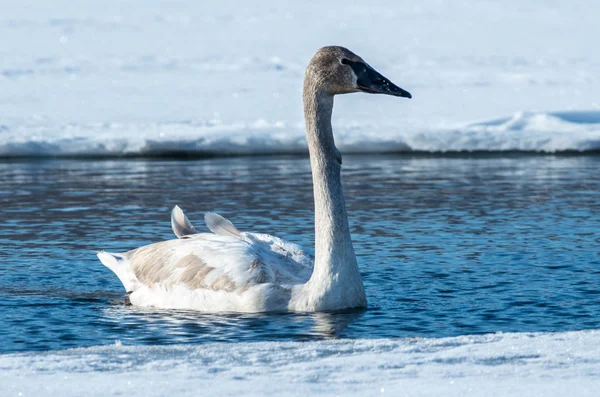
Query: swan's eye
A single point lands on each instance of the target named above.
(344, 61)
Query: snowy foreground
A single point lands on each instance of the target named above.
(144, 77)
(560, 364)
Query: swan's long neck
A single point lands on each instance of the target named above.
(336, 281)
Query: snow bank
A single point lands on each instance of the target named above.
(558, 364)
(538, 132)
(113, 78)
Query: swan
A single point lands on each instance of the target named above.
(233, 271)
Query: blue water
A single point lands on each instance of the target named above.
(446, 245)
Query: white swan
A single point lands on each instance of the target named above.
(231, 271)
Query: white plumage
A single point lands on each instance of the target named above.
(225, 271)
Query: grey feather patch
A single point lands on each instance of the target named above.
(180, 224)
(221, 226)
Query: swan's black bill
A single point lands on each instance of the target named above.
(371, 81)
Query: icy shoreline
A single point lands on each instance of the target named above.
(519, 364)
(528, 132)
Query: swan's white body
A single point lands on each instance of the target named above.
(223, 271)
(231, 271)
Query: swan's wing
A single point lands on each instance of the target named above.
(225, 261)
(208, 261)
(217, 224)
(220, 225)
(284, 248)
(289, 260)
(180, 223)
(203, 261)
(281, 252)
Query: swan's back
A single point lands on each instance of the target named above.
(202, 266)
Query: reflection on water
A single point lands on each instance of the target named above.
(446, 246)
(152, 325)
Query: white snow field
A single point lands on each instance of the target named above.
(141, 77)
(529, 365)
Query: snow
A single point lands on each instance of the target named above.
(555, 364)
(113, 78)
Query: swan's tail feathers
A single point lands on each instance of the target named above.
(221, 226)
(180, 223)
(120, 266)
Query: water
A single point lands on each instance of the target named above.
(446, 245)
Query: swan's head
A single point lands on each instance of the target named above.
(338, 70)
